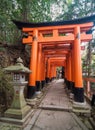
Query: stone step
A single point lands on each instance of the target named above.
(82, 110)
(85, 113)
(83, 107)
(57, 108)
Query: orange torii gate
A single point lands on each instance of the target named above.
(56, 39)
(54, 63)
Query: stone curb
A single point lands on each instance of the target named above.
(56, 108)
(92, 122)
(79, 122)
(33, 120)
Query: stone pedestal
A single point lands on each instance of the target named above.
(19, 108)
(19, 113)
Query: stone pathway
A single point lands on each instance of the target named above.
(53, 113)
(47, 117)
(57, 120)
(56, 97)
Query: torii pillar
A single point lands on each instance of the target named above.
(78, 89)
(39, 63)
(69, 70)
(48, 70)
(72, 68)
(33, 65)
(54, 75)
(43, 71)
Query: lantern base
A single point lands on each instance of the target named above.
(21, 123)
(17, 113)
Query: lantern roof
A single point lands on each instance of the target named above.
(18, 67)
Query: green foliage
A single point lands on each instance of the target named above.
(38, 11)
(2, 49)
(76, 8)
(59, 69)
(89, 59)
(4, 81)
(6, 90)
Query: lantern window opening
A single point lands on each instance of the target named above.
(16, 76)
(22, 76)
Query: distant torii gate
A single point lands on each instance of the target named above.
(56, 43)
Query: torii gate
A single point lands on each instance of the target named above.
(51, 41)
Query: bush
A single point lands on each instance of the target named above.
(6, 90)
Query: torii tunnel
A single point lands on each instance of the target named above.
(56, 44)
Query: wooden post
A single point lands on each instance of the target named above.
(78, 90)
(65, 71)
(54, 72)
(44, 67)
(33, 65)
(70, 76)
(69, 70)
(72, 68)
(48, 70)
(39, 63)
(43, 71)
(88, 89)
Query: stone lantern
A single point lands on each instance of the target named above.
(19, 109)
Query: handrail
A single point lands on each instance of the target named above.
(89, 79)
(88, 90)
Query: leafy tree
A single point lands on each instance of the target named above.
(38, 11)
(76, 9)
